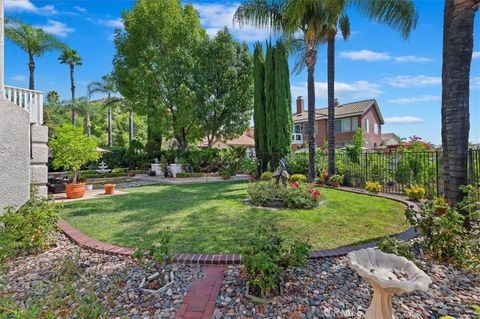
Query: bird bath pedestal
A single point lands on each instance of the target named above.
(388, 274)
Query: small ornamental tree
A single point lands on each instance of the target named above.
(72, 149)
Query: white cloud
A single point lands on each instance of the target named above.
(365, 55)
(80, 9)
(372, 56)
(405, 81)
(215, 16)
(403, 120)
(28, 6)
(58, 28)
(415, 99)
(412, 58)
(114, 23)
(476, 54)
(475, 82)
(19, 78)
(345, 92)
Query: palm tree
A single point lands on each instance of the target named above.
(86, 108)
(53, 97)
(106, 86)
(457, 57)
(318, 20)
(32, 40)
(71, 58)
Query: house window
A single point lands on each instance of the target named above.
(376, 128)
(349, 124)
(297, 129)
(366, 128)
(305, 128)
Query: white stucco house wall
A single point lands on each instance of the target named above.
(23, 139)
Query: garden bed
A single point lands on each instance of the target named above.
(328, 288)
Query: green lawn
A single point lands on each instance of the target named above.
(211, 218)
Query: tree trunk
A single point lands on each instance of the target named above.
(72, 88)
(31, 68)
(331, 104)
(130, 126)
(457, 57)
(110, 140)
(310, 61)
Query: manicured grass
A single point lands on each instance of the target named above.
(211, 218)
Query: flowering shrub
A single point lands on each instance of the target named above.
(300, 196)
(295, 195)
(298, 178)
(373, 187)
(415, 192)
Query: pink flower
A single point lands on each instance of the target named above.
(295, 184)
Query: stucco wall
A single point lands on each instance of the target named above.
(14, 155)
(38, 162)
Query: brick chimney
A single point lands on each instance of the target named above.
(300, 105)
(336, 103)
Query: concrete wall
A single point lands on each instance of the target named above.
(38, 162)
(14, 155)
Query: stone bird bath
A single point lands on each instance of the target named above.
(388, 274)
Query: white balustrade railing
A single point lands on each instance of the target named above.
(30, 100)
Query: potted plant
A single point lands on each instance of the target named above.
(109, 189)
(131, 173)
(71, 150)
(336, 180)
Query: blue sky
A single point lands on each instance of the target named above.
(404, 76)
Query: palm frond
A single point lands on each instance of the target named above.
(399, 15)
(261, 14)
(344, 24)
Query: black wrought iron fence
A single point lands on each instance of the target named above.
(395, 170)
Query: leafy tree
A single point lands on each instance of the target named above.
(106, 86)
(457, 57)
(53, 97)
(225, 68)
(354, 149)
(72, 59)
(154, 62)
(72, 149)
(34, 41)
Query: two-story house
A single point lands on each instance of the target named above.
(348, 118)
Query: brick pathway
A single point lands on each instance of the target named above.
(199, 302)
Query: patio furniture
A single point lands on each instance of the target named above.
(388, 274)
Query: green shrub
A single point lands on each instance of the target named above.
(116, 157)
(262, 193)
(373, 187)
(336, 179)
(29, 228)
(267, 257)
(160, 250)
(248, 165)
(297, 163)
(392, 245)
(188, 175)
(299, 197)
(298, 178)
(266, 176)
(118, 170)
(415, 192)
(445, 235)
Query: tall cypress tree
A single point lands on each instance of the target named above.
(283, 102)
(270, 105)
(259, 116)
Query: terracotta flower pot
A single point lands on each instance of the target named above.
(131, 174)
(75, 190)
(335, 184)
(109, 189)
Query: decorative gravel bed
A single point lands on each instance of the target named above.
(328, 288)
(113, 279)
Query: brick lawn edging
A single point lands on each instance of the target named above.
(234, 259)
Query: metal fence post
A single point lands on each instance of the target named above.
(436, 173)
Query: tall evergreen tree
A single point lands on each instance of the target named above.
(283, 102)
(259, 117)
(270, 109)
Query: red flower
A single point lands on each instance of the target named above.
(315, 193)
(295, 184)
